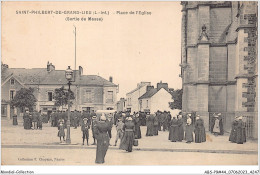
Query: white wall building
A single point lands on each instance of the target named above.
(132, 103)
(155, 99)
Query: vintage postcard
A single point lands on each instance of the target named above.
(129, 83)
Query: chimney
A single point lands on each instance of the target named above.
(162, 85)
(142, 83)
(80, 71)
(50, 67)
(111, 79)
(4, 66)
(148, 88)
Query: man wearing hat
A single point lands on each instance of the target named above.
(84, 128)
(93, 127)
(52, 118)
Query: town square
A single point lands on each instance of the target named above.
(141, 83)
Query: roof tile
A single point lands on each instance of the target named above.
(55, 77)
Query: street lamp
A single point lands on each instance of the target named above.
(69, 77)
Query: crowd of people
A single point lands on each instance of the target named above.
(188, 127)
(32, 120)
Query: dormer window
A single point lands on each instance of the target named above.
(12, 81)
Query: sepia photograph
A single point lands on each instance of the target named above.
(129, 83)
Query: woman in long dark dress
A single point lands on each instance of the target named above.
(200, 134)
(101, 133)
(170, 130)
(189, 130)
(149, 123)
(241, 134)
(180, 128)
(175, 129)
(233, 134)
(128, 137)
(137, 127)
(155, 125)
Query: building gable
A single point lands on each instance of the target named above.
(6, 87)
(161, 93)
(10, 78)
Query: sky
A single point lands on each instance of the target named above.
(129, 47)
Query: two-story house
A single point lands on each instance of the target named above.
(132, 103)
(156, 98)
(91, 92)
(121, 105)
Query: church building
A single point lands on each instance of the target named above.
(219, 61)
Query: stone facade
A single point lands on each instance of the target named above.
(91, 92)
(219, 60)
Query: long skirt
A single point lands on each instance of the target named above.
(127, 141)
(155, 130)
(27, 124)
(233, 136)
(102, 146)
(241, 136)
(170, 132)
(180, 133)
(200, 135)
(149, 131)
(175, 133)
(138, 132)
(216, 127)
(165, 126)
(189, 133)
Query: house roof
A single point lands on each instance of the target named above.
(149, 94)
(41, 76)
(139, 87)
